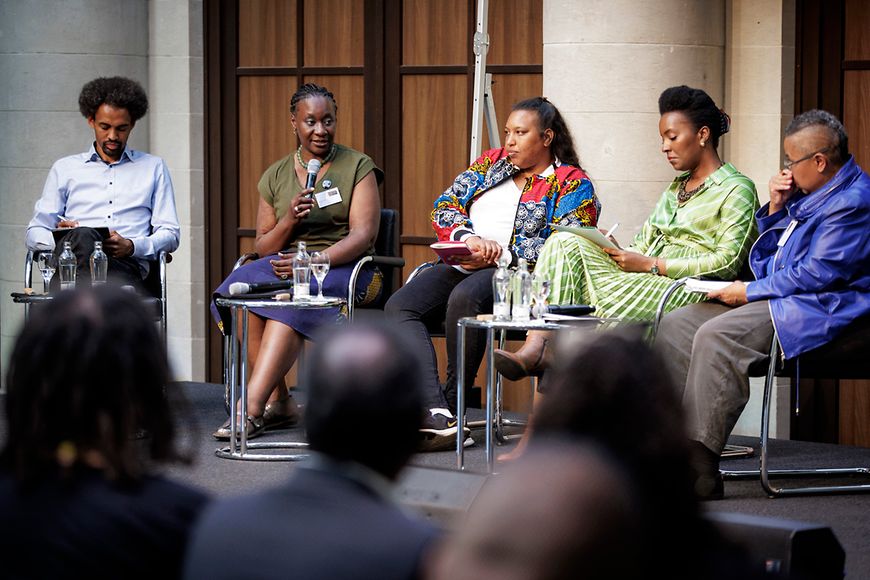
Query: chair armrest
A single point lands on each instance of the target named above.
(393, 262)
(420, 268)
(663, 303)
(244, 258)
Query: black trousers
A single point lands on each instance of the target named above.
(443, 293)
(122, 271)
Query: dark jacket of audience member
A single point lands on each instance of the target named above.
(77, 497)
(334, 518)
(614, 391)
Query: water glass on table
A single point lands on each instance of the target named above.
(319, 269)
(47, 265)
(540, 291)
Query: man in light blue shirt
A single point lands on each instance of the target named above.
(110, 186)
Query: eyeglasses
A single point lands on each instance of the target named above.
(789, 164)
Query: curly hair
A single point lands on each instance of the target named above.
(118, 92)
(87, 371)
(698, 107)
(311, 90)
(549, 117)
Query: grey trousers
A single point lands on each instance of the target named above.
(709, 348)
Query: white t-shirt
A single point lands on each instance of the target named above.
(493, 213)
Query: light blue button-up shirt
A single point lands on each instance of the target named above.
(133, 196)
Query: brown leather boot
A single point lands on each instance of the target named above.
(532, 359)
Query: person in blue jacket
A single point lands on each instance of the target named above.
(811, 264)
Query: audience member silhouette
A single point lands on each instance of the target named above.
(565, 509)
(78, 497)
(334, 518)
(616, 392)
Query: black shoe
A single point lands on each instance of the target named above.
(438, 432)
(709, 485)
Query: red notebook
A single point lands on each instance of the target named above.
(449, 251)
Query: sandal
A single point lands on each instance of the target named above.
(254, 427)
(279, 414)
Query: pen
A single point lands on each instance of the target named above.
(611, 230)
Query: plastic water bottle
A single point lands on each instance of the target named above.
(68, 265)
(301, 273)
(501, 284)
(521, 292)
(99, 265)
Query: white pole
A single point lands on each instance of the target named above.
(481, 45)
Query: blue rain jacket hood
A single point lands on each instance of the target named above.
(818, 281)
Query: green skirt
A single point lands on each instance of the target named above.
(581, 273)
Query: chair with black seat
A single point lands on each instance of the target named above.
(154, 285)
(843, 358)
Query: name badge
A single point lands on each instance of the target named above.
(328, 197)
(787, 233)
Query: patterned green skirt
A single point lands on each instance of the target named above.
(581, 273)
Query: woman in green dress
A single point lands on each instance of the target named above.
(703, 225)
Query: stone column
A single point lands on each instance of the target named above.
(605, 64)
(176, 124)
(48, 50)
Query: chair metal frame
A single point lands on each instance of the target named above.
(775, 368)
(162, 260)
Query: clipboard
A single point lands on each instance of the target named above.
(588, 232)
(59, 233)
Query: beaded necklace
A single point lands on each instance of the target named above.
(326, 159)
(684, 195)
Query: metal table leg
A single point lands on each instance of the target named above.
(460, 397)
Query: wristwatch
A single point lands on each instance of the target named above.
(655, 268)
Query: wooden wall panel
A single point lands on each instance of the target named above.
(264, 135)
(854, 413)
(508, 89)
(435, 32)
(435, 144)
(857, 24)
(516, 32)
(856, 113)
(267, 33)
(350, 96)
(338, 33)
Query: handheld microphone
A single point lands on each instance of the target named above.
(237, 288)
(313, 169)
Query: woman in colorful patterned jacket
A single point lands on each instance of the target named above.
(505, 201)
(702, 225)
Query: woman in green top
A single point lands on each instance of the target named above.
(339, 216)
(703, 225)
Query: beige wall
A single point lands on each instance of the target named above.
(607, 61)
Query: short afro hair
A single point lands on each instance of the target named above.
(118, 92)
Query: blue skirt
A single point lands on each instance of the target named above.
(306, 322)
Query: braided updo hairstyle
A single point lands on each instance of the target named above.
(311, 90)
(698, 107)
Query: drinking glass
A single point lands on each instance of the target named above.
(540, 291)
(319, 269)
(47, 266)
